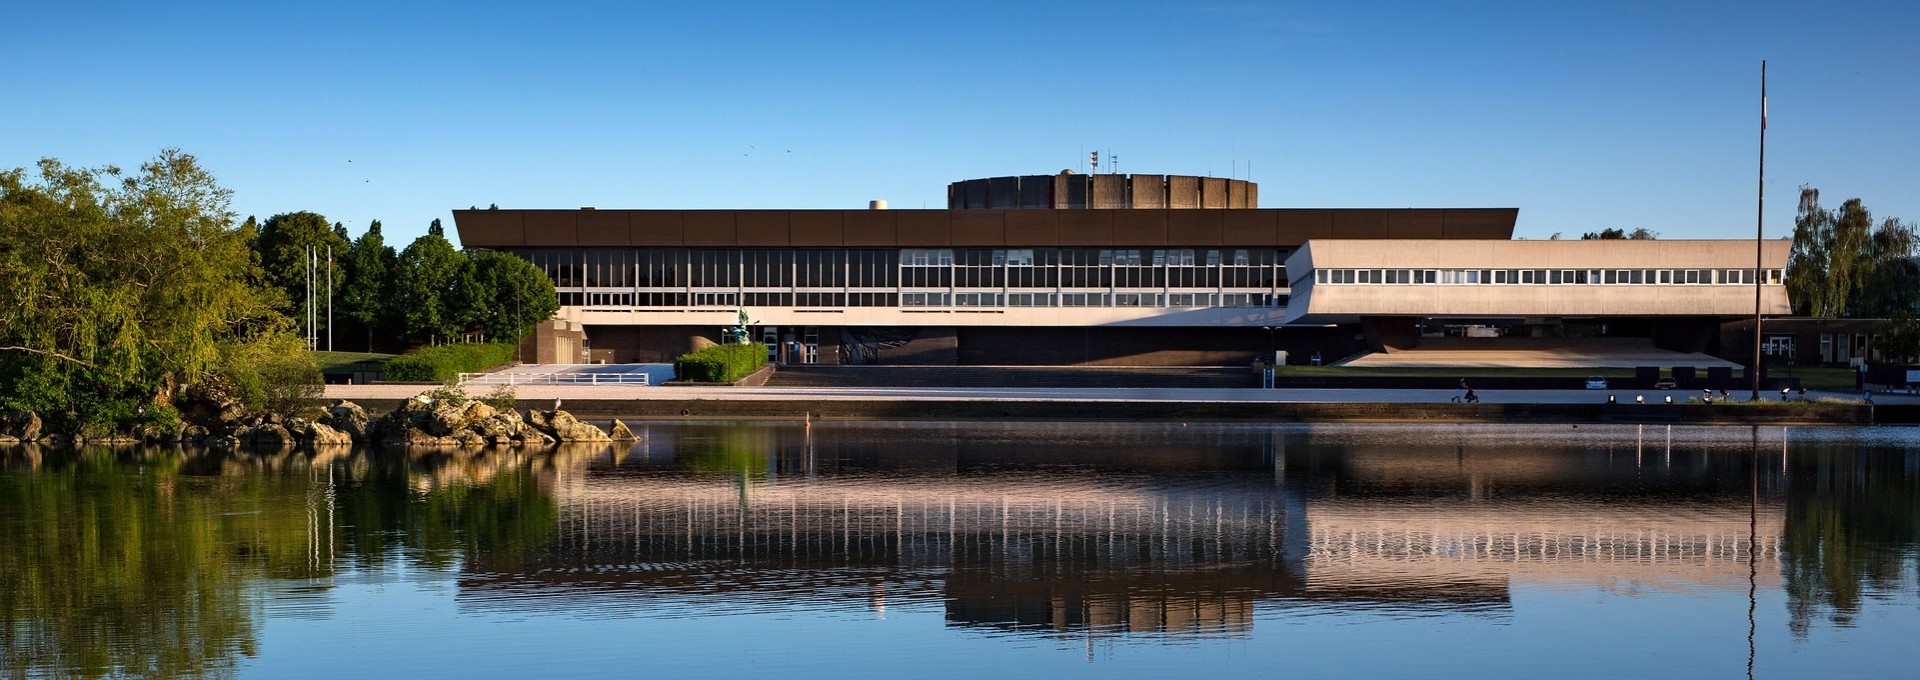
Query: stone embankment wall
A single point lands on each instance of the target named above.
(1739, 414)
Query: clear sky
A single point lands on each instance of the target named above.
(1582, 115)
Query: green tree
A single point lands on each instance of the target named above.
(501, 296)
(1640, 234)
(114, 286)
(1842, 267)
(1889, 281)
(283, 243)
(366, 297)
(1807, 264)
(1900, 342)
(424, 289)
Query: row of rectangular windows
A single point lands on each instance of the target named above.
(1092, 300)
(1081, 257)
(1543, 276)
(922, 299)
(685, 268)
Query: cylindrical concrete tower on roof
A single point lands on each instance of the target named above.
(1068, 191)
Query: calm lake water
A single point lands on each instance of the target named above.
(981, 550)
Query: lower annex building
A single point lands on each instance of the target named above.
(1122, 270)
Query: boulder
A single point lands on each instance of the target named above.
(209, 407)
(411, 436)
(469, 439)
(193, 433)
(350, 419)
(621, 433)
(316, 433)
(20, 424)
(535, 438)
(476, 410)
(564, 427)
(496, 426)
(270, 436)
(444, 418)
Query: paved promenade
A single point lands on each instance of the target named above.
(1073, 394)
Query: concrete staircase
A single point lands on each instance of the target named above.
(1013, 376)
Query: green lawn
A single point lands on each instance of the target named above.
(1821, 378)
(343, 362)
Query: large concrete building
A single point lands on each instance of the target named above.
(1677, 293)
(1127, 270)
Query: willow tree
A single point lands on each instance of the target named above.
(1844, 267)
(114, 286)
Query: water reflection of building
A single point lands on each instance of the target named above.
(1097, 530)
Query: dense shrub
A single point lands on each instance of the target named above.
(439, 364)
(273, 374)
(720, 363)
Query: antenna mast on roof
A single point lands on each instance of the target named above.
(1093, 162)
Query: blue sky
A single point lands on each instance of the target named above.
(1583, 115)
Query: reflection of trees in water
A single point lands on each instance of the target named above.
(441, 508)
(1853, 517)
(116, 565)
(149, 562)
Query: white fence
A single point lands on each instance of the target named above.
(510, 378)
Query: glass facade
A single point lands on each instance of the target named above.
(914, 277)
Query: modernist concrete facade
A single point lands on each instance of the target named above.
(989, 286)
(1049, 276)
(1343, 280)
(1388, 287)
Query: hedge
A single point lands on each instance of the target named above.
(439, 364)
(720, 363)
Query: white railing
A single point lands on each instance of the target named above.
(555, 378)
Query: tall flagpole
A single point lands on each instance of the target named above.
(329, 297)
(1759, 232)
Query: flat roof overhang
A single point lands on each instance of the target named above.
(991, 228)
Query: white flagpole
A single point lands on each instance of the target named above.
(1759, 233)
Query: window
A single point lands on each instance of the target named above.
(920, 257)
(1020, 257)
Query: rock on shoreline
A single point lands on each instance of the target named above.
(213, 418)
